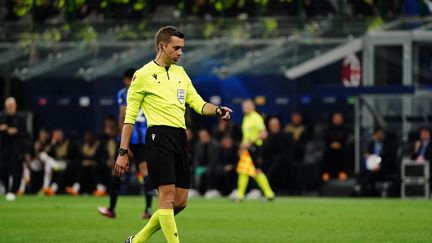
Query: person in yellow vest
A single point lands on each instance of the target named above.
(249, 165)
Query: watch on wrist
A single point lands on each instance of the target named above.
(122, 151)
(219, 111)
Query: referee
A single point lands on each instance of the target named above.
(162, 89)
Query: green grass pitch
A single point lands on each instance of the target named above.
(69, 219)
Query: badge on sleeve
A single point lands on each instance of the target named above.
(181, 95)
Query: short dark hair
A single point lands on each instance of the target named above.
(109, 117)
(129, 73)
(379, 129)
(425, 128)
(164, 35)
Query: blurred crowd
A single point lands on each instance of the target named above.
(42, 10)
(54, 163)
(297, 157)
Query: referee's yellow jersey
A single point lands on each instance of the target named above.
(252, 124)
(162, 94)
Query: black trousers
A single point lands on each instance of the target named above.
(334, 162)
(67, 177)
(226, 182)
(11, 165)
(88, 179)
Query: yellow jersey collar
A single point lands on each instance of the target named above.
(164, 68)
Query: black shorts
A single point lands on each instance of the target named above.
(138, 151)
(166, 156)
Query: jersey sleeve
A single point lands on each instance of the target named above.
(121, 98)
(135, 97)
(193, 99)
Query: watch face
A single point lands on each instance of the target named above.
(122, 151)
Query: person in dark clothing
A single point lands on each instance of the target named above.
(91, 156)
(423, 146)
(109, 153)
(13, 144)
(380, 152)
(276, 154)
(205, 159)
(423, 149)
(224, 128)
(34, 162)
(300, 135)
(334, 156)
(226, 173)
(62, 163)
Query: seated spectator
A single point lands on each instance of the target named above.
(34, 165)
(226, 173)
(90, 159)
(276, 154)
(206, 156)
(108, 153)
(300, 135)
(335, 161)
(226, 127)
(60, 165)
(379, 157)
(423, 147)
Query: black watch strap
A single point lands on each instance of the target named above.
(219, 111)
(122, 151)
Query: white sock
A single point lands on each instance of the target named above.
(25, 177)
(22, 185)
(100, 187)
(47, 175)
(76, 186)
(54, 187)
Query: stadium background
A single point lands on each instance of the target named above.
(63, 61)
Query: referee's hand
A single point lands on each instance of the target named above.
(224, 112)
(122, 165)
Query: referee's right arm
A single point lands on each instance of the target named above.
(134, 99)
